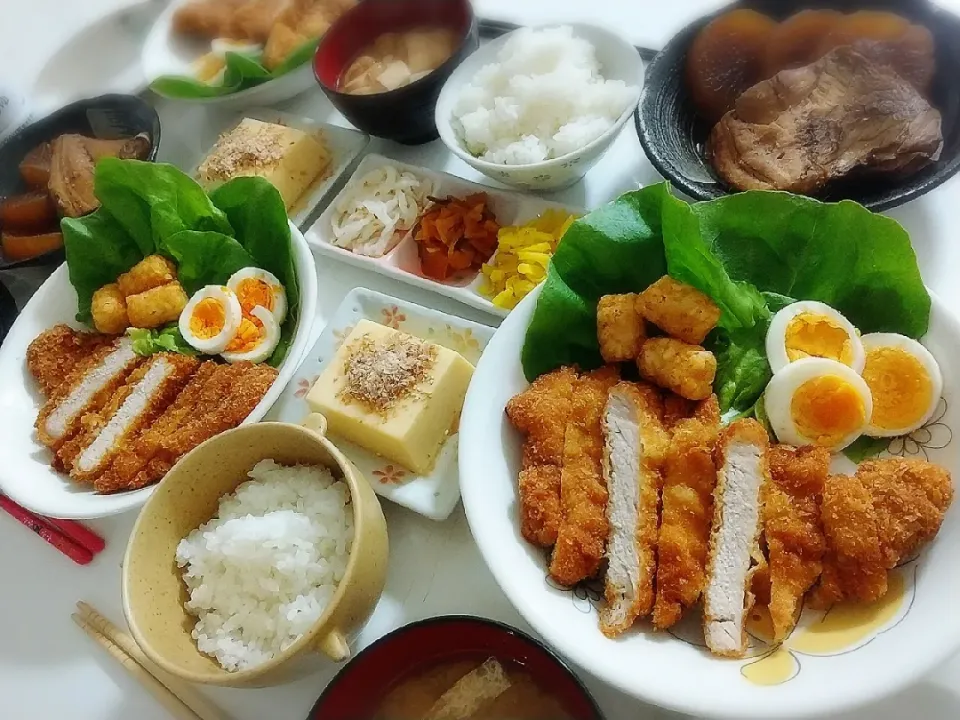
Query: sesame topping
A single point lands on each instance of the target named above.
(249, 147)
(380, 373)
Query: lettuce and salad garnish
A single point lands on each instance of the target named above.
(154, 208)
(752, 253)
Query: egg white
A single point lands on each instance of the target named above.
(221, 46)
(776, 336)
(929, 363)
(276, 288)
(268, 342)
(232, 314)
(781, 388)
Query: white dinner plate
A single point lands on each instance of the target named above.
(25, 472)
(914, 632)
(434, 495)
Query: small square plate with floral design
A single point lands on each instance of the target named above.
(434, 495)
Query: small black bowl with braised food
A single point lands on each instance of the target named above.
(46, 170)
(837, 100)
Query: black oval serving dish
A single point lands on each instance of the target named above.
(107, 117)
(674, 137)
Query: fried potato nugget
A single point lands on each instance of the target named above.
(156, 307)
(620, 329)
(109, 310)
(151, 272)
(680, 310)
(687, 370)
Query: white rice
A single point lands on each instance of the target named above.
(261, 573)
(543, 99)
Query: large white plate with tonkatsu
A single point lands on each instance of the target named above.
(26, 474)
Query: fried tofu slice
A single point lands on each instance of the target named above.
(791, 525)
(109, 310)
(743, 471)
(56, 352)
(620, 329)
(681, 311)
(689, 479)
(157, 306)
(684, 369)
(582, 536)
(910, 498)
(89, 386)
(853, 567)
(635, 443)
(151, 272)
(541, 413)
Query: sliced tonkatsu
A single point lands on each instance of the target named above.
(743, 470)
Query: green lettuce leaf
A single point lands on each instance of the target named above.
(241, 73)
(752, 253)
(166, 339)
(206, 258)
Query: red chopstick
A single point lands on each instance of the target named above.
(78, 533)
(73, 550)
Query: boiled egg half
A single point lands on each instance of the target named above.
(817, 401)
(256, 339)
(211, 319)
(257, 287)
(810, 329)
(905, 382)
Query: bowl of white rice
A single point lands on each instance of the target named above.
(537, 107)
(260, 555)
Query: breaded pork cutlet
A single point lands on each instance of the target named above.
(853, 566)
(223, 408)
(634, 446)
(90, 384)
(582, 537)
(743, 470)
(541, 413)
(689, 479)
(135, 454)
(791, 526)
(54, 354)
(146, 394)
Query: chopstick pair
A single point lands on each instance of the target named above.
(77, 542)
(178, 698)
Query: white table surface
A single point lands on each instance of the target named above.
(49, 669)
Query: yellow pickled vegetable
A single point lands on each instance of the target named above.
(523, 254)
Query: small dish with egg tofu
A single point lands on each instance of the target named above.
(409, 449)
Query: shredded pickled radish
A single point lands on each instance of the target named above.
(377, 210)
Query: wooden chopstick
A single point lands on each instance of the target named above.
(72, 549)
(198, 704)
(166, 698)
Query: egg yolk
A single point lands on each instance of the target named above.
(827, 409)
(207, 319)
(252, 292)
(901, 387)
(249, 335)
(811, 335)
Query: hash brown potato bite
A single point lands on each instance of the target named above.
(620, 328)
(157, 306)
(680, 310)
(685, 369)
(153, 271)
(109, 310)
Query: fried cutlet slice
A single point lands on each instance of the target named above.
(145, 395)
(689, 479)
(88, 387)
(853, 567)
(910, 498)
(582, 537)
(541, 413)
(216, 412)
(54, 353)
(743, 470)
(208, 19)
(134, 455)
(635, 443)
(791, 525)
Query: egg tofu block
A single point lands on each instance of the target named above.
(392, 394)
